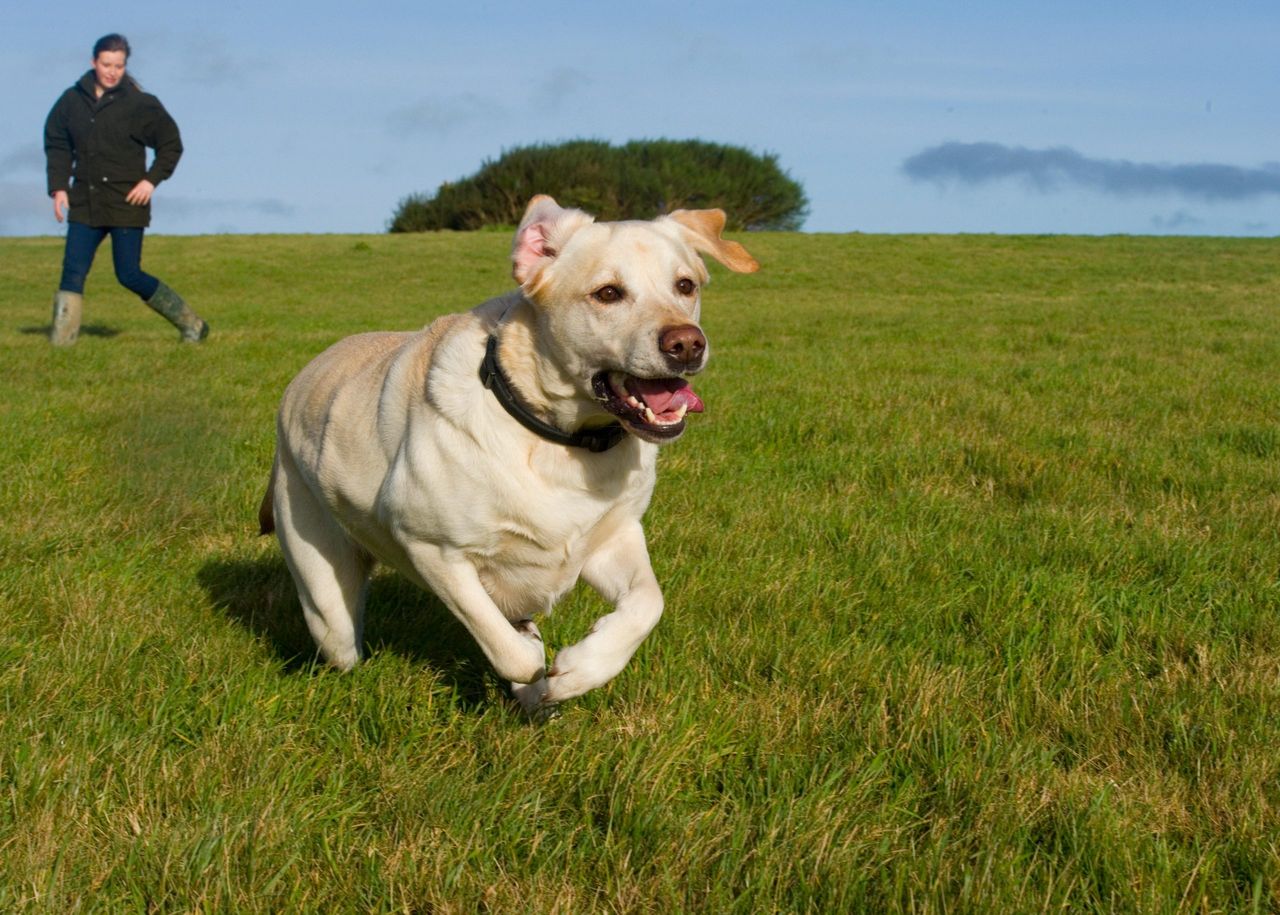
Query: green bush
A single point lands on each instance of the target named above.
(643, 179)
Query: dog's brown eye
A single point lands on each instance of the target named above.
(686, 286)
(608, 294)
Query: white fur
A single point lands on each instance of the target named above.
(390, 449)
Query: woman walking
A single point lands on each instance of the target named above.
(95, 143)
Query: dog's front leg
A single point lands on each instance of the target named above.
(620, 571)
(514, 650)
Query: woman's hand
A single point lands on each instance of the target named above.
(60, 205)
(140, 196)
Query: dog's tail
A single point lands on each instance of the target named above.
(266, 512)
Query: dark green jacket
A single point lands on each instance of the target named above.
(96, 150)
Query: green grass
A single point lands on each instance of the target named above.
(971, 573)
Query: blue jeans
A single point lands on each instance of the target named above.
(126, 254)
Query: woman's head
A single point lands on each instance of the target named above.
(110, 56)
(112, 42)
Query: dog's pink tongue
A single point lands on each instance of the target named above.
(663, 395)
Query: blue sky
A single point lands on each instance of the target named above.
(905, 116)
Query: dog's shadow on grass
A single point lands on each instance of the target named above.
(86, 330)
(259, 595)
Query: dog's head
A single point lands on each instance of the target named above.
(618, 306)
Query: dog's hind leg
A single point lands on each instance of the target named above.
(329, 569)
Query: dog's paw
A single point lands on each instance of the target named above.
(525, 658)
(529, 629)
(534, 701)
(576, 670)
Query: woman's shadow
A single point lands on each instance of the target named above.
(259, 595)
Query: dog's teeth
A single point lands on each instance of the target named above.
(649, 416)
(681, 411)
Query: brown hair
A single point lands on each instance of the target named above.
(112, 42)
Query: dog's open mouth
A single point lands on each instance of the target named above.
(653, 408)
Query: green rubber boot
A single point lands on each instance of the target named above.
(178, 313)
(66, 318)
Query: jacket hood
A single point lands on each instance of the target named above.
(88, 84)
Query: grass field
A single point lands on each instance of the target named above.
(972, 580)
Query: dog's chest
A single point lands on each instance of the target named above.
(527, 516)
(527, 567)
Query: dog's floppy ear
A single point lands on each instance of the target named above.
(703, 228)
(532, 242)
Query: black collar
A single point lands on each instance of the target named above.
(600, 438)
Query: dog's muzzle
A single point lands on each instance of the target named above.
(652, 408)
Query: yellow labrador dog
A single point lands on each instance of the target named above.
(498, 455)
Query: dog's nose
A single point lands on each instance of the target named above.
(684, 345)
